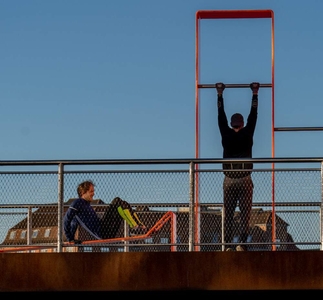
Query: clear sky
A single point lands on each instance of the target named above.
(115, 79)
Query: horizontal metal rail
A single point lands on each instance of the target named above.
(156, 161)
(161, 205)
(298, 128)
(233, 85)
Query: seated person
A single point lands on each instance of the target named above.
(81, 213)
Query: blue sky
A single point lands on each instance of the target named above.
(116, 79)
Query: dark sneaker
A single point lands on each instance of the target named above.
(241, 248)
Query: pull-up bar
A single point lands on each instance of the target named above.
(298, 128)
(234, 85)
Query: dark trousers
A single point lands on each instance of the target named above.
(111, 220)
(237, 191)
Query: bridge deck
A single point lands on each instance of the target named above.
(161, 271)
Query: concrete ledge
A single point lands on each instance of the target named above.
(161, 271)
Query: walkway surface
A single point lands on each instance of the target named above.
(161, 271)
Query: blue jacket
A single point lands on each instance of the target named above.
(81, 213)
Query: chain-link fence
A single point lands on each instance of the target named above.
(180, 202)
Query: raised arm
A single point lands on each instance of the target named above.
(252, 118)
(222, 118)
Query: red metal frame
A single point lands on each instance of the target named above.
(232, 14)
(158, 225)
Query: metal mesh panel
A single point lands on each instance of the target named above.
(285, 215)
(295, 196)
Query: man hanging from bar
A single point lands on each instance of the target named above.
(237, 142)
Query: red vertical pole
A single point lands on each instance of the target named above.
(197, 146)
(273, 212)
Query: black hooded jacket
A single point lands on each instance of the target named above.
(237, 144)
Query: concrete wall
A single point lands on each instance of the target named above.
(153, 271)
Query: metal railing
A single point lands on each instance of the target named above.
(287, 201)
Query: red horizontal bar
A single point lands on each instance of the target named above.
(234, 14)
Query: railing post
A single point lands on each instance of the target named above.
(60, 207)
(126, 234)
(29, 225)
(191, 237)
(222, 229)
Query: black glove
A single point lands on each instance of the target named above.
(220, 87)
(254, 87)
